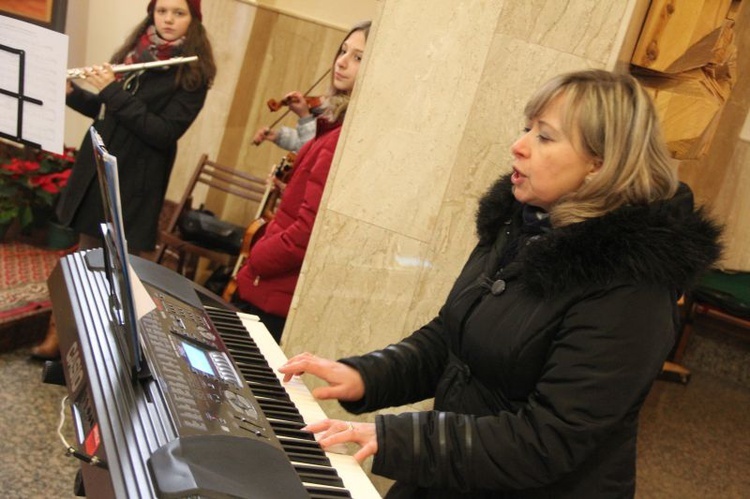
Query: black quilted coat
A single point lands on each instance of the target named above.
(538, 365)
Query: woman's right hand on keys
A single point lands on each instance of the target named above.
(344, 382)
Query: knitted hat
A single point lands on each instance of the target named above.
(195, 8)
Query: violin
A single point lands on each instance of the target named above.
(312, 101)
(283, 172)
(275, 105)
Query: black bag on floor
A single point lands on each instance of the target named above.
(203, 228)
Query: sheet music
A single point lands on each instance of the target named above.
(46, 59)
(142, 300)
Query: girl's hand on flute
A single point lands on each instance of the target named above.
(99, 76)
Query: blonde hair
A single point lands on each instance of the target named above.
(615, 123)
(337, 101)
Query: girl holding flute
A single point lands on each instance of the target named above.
(140, 115)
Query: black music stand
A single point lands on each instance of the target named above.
(21, 97)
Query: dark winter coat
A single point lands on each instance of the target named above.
(538, 367)
(270, 274)
(141, 130)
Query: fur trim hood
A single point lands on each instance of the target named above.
(667, 243)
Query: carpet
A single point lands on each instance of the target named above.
(24, 299)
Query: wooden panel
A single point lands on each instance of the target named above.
(689, 106)
(680, 34)
(686, 58)
(284, 53)
(721, 178)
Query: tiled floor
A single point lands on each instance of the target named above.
(694, 440)
(33, 463)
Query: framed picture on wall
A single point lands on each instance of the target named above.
(47, 13)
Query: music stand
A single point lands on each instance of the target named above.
(32, 84)
(21, 96)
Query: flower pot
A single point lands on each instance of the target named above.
(41, 215)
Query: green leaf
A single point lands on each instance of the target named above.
(8, 214)
(25, 216)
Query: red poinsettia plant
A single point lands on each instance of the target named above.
(31, 180)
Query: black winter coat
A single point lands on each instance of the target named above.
(141, 129)
(539, 367)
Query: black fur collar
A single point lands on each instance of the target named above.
(665, 243)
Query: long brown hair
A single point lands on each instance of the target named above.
(337, 101)
(190, 76)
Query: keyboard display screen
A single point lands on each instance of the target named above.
(198, 359)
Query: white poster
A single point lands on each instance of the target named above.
(32, 103)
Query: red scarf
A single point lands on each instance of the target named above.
(152, 47)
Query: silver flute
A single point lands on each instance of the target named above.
(124, 68)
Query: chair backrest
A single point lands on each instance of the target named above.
(217, 177)
(222, 178)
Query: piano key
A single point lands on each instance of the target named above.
(300, 457)
(324, 475)
(304, 454)
(255, 339)
(322, 492)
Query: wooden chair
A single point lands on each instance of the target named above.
(720, 295)
(216, 177)
(266, 211)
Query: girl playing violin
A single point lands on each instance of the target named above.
(266, 282)
(292, 139)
